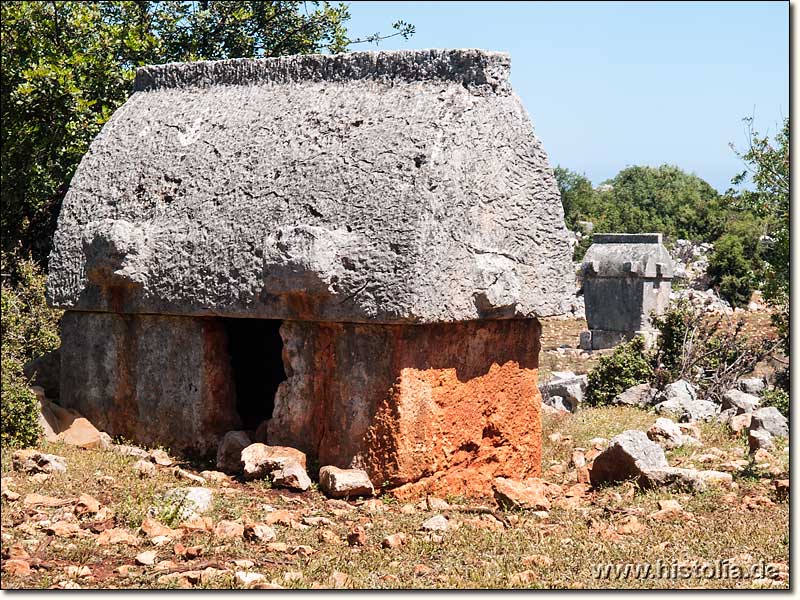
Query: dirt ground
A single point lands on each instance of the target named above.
(587, 539)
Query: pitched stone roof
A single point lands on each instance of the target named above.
(374, 186)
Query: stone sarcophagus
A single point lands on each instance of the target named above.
(347, 254)
(627, 278)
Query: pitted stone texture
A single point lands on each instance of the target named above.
(771, 420)
(151, 379)
(628, 456)
(442, 408)
(369, 187)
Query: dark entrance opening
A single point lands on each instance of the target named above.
(255, 348)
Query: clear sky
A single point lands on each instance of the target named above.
(612, 84)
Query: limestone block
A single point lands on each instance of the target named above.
(155, 380)
(395, 187)
(437, 407)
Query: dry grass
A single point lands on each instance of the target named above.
(468, 556)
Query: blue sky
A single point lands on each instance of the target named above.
(612, 84)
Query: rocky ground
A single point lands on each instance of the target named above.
(622, 488)
(89, 527)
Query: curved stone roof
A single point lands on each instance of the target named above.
(628, 255)
(378, 186)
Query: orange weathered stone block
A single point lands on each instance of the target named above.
(422, 408)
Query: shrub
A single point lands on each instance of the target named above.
(730, 271)
(778, 398)
(712, 353)
(29, 328)
(629, 365)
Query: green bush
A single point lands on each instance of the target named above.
(20, 425)
(730, 271)
(629, 365)
(778, 398)
(29, 328)
(673, 327)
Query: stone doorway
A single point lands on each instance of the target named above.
(255, 348)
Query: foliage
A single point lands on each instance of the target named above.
(661, 199)
(767, 164)
(28, 329)
(778, 398)
(627, 366)
(576, 195)
(730, 272)
(68, 65)
(711, 353)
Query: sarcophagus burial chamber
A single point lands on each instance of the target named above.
(347, 254)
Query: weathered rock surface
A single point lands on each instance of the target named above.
(759, 439)
(291, 476)
(688, 410)
(62, 425)
(752, 385)
(739, 401)
(155, 380)
(229, 453)
(343, 483)
(667, 433)
(628, 456)
(45, 372)
(436, 523)
(528, 495)
(33, 461)
(690, 480)
(641, 396)
(188, 502)
(770, 419)
(436, 408)
(569, 388)
(260, 460)
(213, 192)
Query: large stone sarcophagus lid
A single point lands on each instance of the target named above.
(377, 187)
(627, 278)
(346, 254)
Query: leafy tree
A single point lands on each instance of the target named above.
(577, 196)
(767, 164)
(66, 66)
(663, 199)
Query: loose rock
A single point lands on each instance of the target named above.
(260, 460)
(528, 495)
(436, 523)
(640, 396)
(229, 530)
(770, 419)
(292, 476)
(344, 483)
(33, 461)
(759, 439)
(667, 433)
(229, 452)
(146, 558)
(628, 456)
(739, 401)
